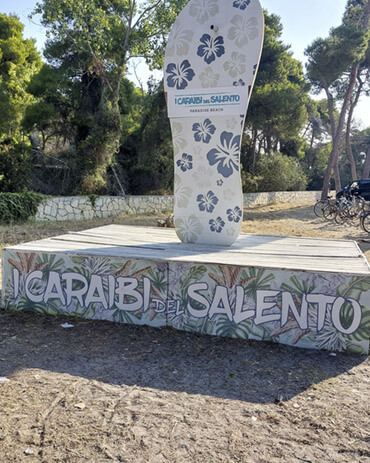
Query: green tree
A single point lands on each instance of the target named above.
(362, 87)
(147, 155)
(277, 110)
(360, 147)
(56, 117)
(314, 164)
(19, 60)
(91, 41)
(316, 135)
(51, 113)
(334, 65)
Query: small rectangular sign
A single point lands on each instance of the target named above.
(223, 101)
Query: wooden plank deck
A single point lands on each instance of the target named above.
(271, 251)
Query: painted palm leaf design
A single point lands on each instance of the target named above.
(158, 282)
(49, 263)
(354, 290)
(230, 277)
(127, 269)
(182, 320)
(195, 273)
(291, 326)
(227, 328)
(28, 306)
(298, 287)
(258, 279)
(27, 262)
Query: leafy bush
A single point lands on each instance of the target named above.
(276, 172)
(18, 207)
(14, 165)
(250, 182)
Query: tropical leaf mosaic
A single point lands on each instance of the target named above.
(323, 311)
(83, 268)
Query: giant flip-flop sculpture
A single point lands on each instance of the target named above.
(211, 63)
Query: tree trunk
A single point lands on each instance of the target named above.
(351, 159)
(352, 106)
(330, 99)
(338, 184)
(268, 144)
(254, 154)
(334, 155)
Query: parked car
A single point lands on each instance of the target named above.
(356, 188)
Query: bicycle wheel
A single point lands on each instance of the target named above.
(341, 216)
(319, 207)
(330, 211)
(365, 222)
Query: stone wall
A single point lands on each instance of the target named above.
(86, 208)
(261, 199)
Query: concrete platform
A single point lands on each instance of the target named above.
(306, 292)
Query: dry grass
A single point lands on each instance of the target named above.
(32, 231)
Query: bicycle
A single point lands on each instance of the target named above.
(331, 210)
(351, 210)
(320, 205)
(365, 222)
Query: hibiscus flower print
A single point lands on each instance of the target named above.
(209, 78)
(203, 131)
(197, 150)
(179, 41)
(179, 75)
(211, 48)
(226, 156)
(188, 228)
(236, 65)
(182, 193)
(202, 10)
(203, 176)
(239, 83)
(234, 215)
(243, 30)
(231, 123)
(186, 162)
(179, 142)
(207, 202)
(216, 225)
(241, 4)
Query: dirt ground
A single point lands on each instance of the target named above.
(102, 392)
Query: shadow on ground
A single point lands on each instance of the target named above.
(164, 359)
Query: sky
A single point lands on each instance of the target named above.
(303, 21)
